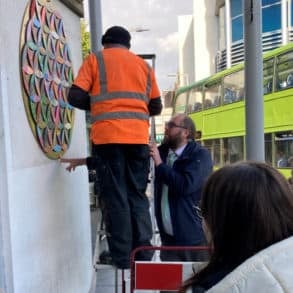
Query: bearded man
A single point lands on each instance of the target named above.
(181, 168)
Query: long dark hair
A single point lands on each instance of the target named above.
(247, 207)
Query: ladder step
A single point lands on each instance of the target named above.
(99, 266)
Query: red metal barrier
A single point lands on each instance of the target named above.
(158, 275)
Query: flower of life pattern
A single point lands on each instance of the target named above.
(47, 75)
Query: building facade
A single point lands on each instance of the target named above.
(217, 32)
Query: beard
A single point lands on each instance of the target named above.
(173, 141)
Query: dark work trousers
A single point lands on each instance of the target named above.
(123, 176)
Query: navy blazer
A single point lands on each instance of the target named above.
(185, 181)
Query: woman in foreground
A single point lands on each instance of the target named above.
(247, 211)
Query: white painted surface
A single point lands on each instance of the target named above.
(205, 37)
(46, 222)
(198, 41)
(186, 50)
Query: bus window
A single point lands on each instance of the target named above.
(180, 103)
(285, 71)
(212, 97)
(284, 148)
(268, 148)
(195, 100)
(234, 87)
(229, 96)
(233, 149)
(213, 145)
(268, 71)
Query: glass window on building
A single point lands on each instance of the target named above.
(268, 71)
(271, 15)
(234, 87)
(285, 71)
(180, 103)
(212, 96)
(195, 100)
(291, 13)
(236, 7)
(214, 146)
(233, 149)
(269, 2)
(236, 20)
(284, 149)
(237, 28)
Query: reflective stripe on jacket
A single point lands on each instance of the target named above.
(119, 112)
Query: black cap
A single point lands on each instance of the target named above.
(117, 35)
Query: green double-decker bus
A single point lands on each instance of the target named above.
(217, 105)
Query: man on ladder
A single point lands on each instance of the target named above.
(120, 90)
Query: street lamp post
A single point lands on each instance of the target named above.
(139, 29)
(95, 24)
(182, 79)
(254, 112)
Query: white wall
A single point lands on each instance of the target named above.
(186, 49)
(44, 211)
(205, 37)
(6, 283)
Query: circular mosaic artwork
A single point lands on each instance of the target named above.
(46, 70)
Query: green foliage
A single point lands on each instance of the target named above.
(85, 38)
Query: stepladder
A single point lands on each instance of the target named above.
(99, 269)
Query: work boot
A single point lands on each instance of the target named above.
(106, 258)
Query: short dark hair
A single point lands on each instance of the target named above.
(247, 207)
(116, 35)
(190, 125)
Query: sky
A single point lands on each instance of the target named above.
(160, 18)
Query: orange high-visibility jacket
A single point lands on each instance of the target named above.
(121, 85)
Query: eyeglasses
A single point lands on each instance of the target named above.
(172, 124)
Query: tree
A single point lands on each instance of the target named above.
(85, 38)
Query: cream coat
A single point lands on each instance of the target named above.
(269, 271)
